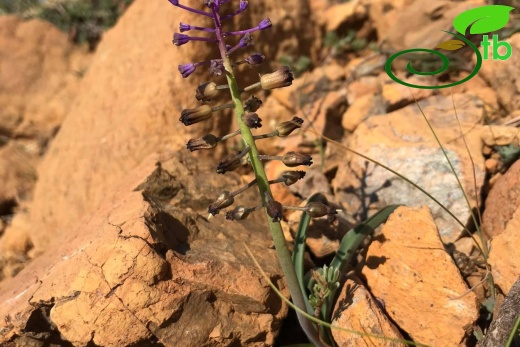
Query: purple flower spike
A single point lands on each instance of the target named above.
(184, 27)
(180, 39)
(187, 69)
(266, 23)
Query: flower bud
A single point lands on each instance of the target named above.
(255, 59)
(207, 91)
(285, 128)
(196, 115)
(291, 177)
(184, 27)
(264, 24)
(224, 200)
(253, 104)
(252, 120)
(180, 39)
(292, 159)
(206, 142)
(282, 77)
(317, 209)
(238, 213)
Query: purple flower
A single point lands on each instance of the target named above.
(184, 27)
(187, 69)
(180, 39)
(246, 40)
(266, 23)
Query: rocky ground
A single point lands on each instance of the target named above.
(104, 239)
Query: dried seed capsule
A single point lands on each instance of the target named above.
(207, 91)
(191, 116)
(292, 159)
(282, 77)
(206, 142)
(274, 210)
(291, 177)
(224, 200)
(230, 163)
(252, 120)
(317, 209)
(238, 213)
(286, 128)
(253, 104)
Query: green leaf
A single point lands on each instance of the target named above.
(451, 45)
(482, 20)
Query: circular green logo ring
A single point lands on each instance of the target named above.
(445, 65)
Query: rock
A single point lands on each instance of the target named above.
(17, 174)
(341, 14)
(499, 135)
(362, 108)
(384, 14)
(396, 96)
(366, 85)
(145, 269)
(40, 74)
(503, 258)
(502, 202)
(407, 263)
(402, 141)
(503, 76)
(357, 310)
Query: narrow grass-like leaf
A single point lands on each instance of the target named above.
(514, 332)
(299, 249)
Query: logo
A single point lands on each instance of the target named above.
(480, 21)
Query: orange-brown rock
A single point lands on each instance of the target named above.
(502, 202)
(39, 77)
(145, 268)
(407, 263)
(503, 256)
(403, 141)
(356, 310)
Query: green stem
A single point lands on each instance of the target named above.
(284, 257)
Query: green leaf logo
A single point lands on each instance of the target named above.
(482, 20)
(451, 45)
